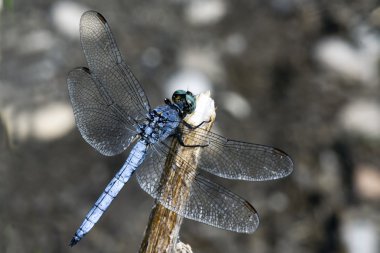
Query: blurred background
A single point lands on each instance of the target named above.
(301, 75)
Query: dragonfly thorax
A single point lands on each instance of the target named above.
(161, 123)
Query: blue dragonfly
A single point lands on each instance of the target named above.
(112, 111)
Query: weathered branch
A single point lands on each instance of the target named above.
(163, 228)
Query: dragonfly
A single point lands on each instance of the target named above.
(112, 111)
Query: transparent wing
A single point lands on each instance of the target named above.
(102, 123)
(107, 65)
(240, 160)
(208, 202)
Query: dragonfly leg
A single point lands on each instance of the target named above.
(195, 127)
(179, 136)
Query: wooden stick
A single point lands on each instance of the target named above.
(163, 228)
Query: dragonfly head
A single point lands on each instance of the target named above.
(185, 101)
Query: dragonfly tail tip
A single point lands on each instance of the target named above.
(74, 241)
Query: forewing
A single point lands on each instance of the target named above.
(107, 65)
(240, 160)
(100, 120)
(208, 202)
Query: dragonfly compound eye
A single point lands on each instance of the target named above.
(178, 95)
(190, 103)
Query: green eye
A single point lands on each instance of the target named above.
(187, 98)
(190, 101)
